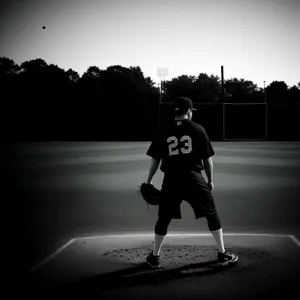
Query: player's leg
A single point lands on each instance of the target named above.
(214, 225)
(203, 204)
(160, 232)
(202, 201)
(168, 209)
(215, 228)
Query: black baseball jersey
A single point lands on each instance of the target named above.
(181, 147)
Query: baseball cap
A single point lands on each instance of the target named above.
(182, 104)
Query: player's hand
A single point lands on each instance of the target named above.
(210, 185)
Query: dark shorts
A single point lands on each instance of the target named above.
(190, 187)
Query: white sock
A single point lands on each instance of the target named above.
(218, 236)
(158, 241)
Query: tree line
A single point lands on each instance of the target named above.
(41, 101)
(129, 87)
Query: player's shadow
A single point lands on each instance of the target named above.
(141, 274)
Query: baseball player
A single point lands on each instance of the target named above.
(184, 150)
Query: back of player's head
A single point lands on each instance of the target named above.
(181, 105)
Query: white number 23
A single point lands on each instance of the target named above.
(173, 145)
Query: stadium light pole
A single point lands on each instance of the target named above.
(161, 73)
(265, 101)
(222, 83)
(223, 99)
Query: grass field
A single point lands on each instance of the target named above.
(74, 189)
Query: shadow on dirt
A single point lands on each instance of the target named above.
(141, 274)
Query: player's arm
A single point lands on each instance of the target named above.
(154, 164)
(208, 168)
(154, 152)
(207, 153)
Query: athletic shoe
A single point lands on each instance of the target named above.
(153, 260)
(226, 258)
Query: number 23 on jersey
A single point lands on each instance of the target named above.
(183, 145)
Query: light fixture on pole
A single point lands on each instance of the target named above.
(162, 73)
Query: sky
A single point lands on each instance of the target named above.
(256, 40)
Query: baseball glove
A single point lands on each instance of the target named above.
(150, 193)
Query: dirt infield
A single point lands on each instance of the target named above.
(113, 268)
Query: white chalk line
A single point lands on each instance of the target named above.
(297, 242)
(148, 235)
(48, 258)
